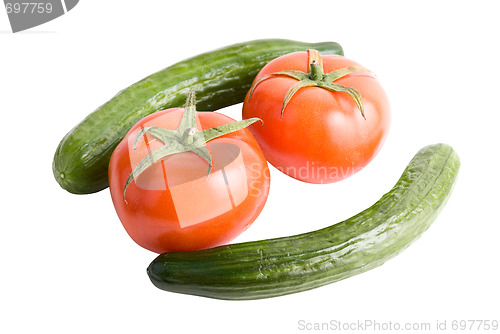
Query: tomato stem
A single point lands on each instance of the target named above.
(316, 71)
(186, 138)
(315, 77)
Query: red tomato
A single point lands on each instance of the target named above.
(174, 205)
(322, 136)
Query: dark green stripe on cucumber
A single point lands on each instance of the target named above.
(220, 78)
(280, 266)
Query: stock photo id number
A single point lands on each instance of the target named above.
(24, 15)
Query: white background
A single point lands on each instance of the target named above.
(68, 265)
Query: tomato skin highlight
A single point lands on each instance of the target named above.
(322, 136)
(175, 206)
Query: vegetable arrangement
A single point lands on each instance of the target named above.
(220, 78)
(185, 183)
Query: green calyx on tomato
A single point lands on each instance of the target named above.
(316, 78)
(186, 138)
(323, 137)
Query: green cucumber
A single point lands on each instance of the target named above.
(280, 266)
(220, 78)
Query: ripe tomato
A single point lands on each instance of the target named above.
(173, 205)
(322, 135)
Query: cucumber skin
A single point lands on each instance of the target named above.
(280, 266)
(220, 78)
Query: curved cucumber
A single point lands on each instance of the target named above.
(220, 78)
(280, 266)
